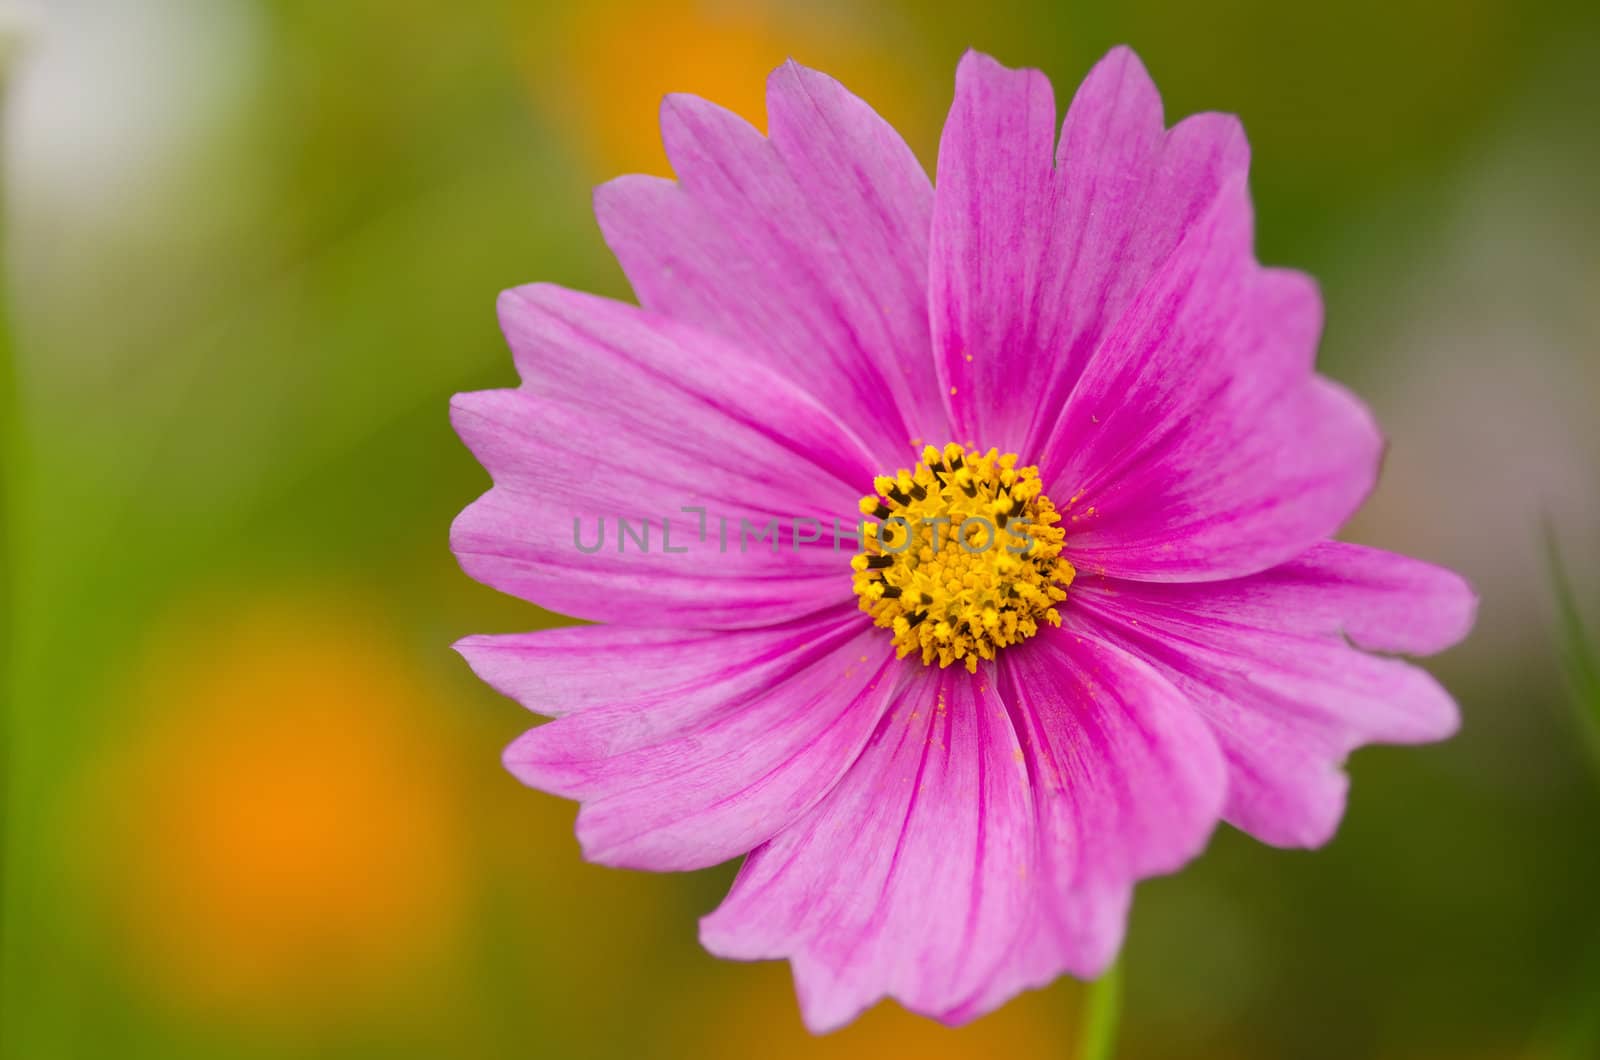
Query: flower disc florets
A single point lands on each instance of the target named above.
(966, 556)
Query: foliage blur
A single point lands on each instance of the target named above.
(253, 804)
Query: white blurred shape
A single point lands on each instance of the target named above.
(106, 95)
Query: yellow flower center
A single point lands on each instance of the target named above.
(965, 558)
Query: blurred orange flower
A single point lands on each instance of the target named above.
(600, 69)
(281, 836)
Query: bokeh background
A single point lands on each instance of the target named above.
(253, 803)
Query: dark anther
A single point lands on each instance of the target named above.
(918, 492)
(879, 562)
(898, 496)
(916, 618)
(969, 489)
(881, 511)
(891, 592)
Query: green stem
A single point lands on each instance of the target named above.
(1102, 1011)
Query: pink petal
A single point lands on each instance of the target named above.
(1127, 782)
(1106, 317)
(1038, 251)
(1266, 661)
(678, 770)
(1198, 443)
(556, 672)
(910, 879)
(807, 248)
(624, 415)
(1381, 601)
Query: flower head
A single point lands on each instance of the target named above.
(1092, 608)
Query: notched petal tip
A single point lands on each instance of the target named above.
(1446, 597)
(1121, 65)
(470, 404)
(483, 420)
(1312, 825)
(1293, 291)
(793, 88)
(674, 104)
(1122, 53)
(1446, 721)
(1465, 608)
(973, 59)
(1119, 88)
(985, 84)
(521, 760)
(468, 647)
(613, 197)
(485, 654)
(688, 119)
(534, 297)
(1434, 607)
(517, 309)
(793, 70)
(976, 65)
(1214, 136)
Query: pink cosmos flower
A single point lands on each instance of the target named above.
(945, 766)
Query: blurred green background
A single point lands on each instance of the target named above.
(253, 804)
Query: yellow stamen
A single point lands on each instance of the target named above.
(967, 559)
